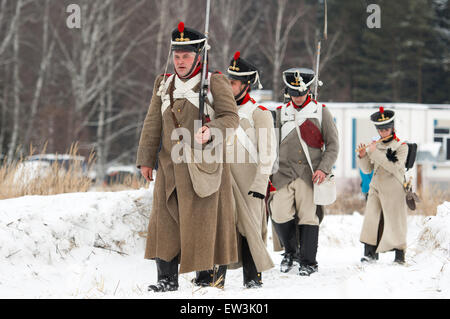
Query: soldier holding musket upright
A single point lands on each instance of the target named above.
(186, 227)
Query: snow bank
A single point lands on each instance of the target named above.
(42, 236)
(91, 245)
(436, 231)
(430, 252)
(47, 228)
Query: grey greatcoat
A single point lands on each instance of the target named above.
(386, 197)
(202, 231)
(253, 175)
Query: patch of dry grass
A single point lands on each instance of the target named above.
(350, 199)
(430, 198)
(20, 178)
(129, 182)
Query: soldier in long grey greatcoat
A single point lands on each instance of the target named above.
(186, 228)
(384, 226)
(292, 205)
(251, 153)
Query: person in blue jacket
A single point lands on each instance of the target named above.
(365, 182)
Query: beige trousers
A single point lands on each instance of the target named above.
(295, 198)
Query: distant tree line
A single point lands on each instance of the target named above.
(93, 84)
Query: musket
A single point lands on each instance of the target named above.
(325, 32)
(204, 80)
(366, 146)
(317, 71)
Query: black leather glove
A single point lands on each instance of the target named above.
(391, 155)
(256, 194)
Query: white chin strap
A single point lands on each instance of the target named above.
(303, 86)
(246, 74)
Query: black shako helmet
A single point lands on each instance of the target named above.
(187, 39)
(383, 119)
(244, 71)
(298, 81)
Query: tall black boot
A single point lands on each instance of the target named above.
(167, 276)
(370, 254)
(211, 278)
(309, 241)
(288, 236)
(252, 278)
(399, 256)
(219, 273)
(203, 278)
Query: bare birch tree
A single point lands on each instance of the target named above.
(233, 29)
(92, 60)
(331, 48)
(16, 82)
(47, 49)
(277, 36)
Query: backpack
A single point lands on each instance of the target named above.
(412, 154)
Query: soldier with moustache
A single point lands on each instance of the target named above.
(295, 216)
(251, 153)
(384, 227)
(197, 233)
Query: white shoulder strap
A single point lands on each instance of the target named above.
(287, 121)
(319, 115)
(290, 118)
(162, 92)
(246, 112)
(305, 148)
(245, 141)
(285, 115)
(209, 95)
(185, 90)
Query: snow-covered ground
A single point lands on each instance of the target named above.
(91, 245)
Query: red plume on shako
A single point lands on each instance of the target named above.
(181, 27)
(187, 39)
(235, 58)
(182, 31)
(383, 118)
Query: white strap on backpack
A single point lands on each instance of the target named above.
(324, 193)
(290, 118)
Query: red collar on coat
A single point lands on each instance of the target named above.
(394, 137)
(246, 99)
(308, 99)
